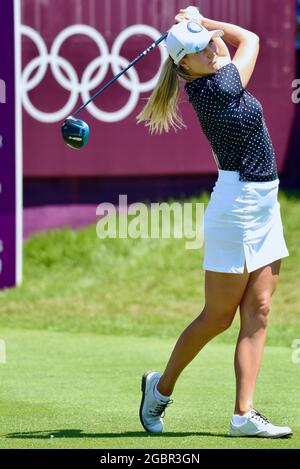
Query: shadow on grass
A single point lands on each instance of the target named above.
(74, 433)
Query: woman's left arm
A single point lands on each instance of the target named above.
(246, 42)
(222, 49)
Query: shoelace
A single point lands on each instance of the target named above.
(260, 417)
(160, 407)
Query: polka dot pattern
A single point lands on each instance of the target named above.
(233, 121)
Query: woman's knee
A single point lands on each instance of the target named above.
(220, 321)
(257, 313)
(262, 314)
(225, 323)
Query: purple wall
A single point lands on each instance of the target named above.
(7, 148)
(122, 148)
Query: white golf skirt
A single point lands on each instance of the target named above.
(242, 225)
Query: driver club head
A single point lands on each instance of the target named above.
(75, 132)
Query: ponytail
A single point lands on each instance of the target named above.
(161, 112)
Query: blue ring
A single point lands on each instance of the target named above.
(194, 27)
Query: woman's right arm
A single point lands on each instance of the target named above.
(246, 42)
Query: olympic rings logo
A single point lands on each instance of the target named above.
(69, 80)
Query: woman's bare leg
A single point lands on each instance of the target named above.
(254, 310)
(223, 294)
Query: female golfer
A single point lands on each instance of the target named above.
(243, 235)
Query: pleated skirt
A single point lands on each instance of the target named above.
(242, 225)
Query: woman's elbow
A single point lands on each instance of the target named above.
(252, 40)
(257, 42)
(255, 37)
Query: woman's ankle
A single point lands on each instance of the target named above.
(242, 410)
(163, 388)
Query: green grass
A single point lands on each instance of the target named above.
(84, 390)
(92, 315)
(75, 282)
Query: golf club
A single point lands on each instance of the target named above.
(75, 131)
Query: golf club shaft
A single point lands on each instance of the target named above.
(143, 54)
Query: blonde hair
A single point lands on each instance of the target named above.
(161, 112)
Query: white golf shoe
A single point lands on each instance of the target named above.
(255, 424)
(151, 408)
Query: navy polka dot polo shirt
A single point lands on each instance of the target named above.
(233, 121)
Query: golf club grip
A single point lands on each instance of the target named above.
(143, 54)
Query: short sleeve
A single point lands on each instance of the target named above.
(224, 86)
(226, 83)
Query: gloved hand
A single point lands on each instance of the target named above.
(188, 13)
(193, 13)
